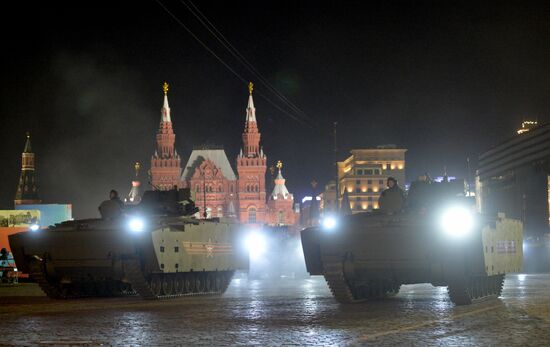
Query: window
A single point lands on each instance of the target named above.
(377, 172)
(388, 166)
(231, 188)
(252, 215)
(357, 199)
(368, 172)
(359, 171)
(358, 182)
(220, 212)
(176, 249)
(358, 190)
(369, 190)
(281, 217)
(381, 182)
(197, 188)
(162, 249)
(369, 182)
(369, 198)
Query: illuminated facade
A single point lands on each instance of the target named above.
(165, 163)
(27, 189)
(281, 203)
(363, 175)
(217, 190)
(213, 182)
(251, 168)
(526, 126)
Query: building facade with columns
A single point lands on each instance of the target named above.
(218, 190)
(362, 177)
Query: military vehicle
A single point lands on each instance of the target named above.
(438, 238)
(154, 249)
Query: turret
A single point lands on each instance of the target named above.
(27, 189)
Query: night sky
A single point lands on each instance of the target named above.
(447, 80)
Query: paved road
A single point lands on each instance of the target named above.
(294, 312)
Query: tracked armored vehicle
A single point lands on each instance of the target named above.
(438, 238)
(155, 250)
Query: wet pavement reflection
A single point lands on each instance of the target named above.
(289, 311)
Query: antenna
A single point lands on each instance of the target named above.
(468, 175)
(337, 189)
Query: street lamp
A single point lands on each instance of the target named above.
(204, 214)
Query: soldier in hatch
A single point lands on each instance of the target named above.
(392, 199)
(112, 208)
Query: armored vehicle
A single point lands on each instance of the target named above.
(154, 249)
(438, 238)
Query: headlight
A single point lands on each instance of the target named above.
(136, 225)
(457, 221)
(255, 243)
(329, 222)
(34, 227)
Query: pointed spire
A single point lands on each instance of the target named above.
(27, 190)
(28, 144)
(165, 110)
(280, 187)
(250, 110)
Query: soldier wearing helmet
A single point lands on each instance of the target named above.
(392, 199)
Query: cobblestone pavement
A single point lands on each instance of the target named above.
(293, 312)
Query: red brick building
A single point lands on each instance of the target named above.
(281, 203)
(218, 191)
(165, 163)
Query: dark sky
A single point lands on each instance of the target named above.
(446, 80)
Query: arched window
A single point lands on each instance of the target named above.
(281, 217)
(231, 188)
(252, 215)
(197, 188)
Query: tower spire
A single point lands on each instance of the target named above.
(165, 110)
(250, 110)
(165, 163)
(280, 187)
(27, 189)
(251, 135)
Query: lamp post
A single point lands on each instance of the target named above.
(204, 214)
(336, 188)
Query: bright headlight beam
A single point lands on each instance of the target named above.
(34, 227)
(136, 225)
(255, 243)
(457, 221)
(329, 222)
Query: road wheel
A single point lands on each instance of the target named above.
(460, 292)
(199, 281)
(210, 282)
(167, 284)
(155, 284)
(218, 281)
(179, 284)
